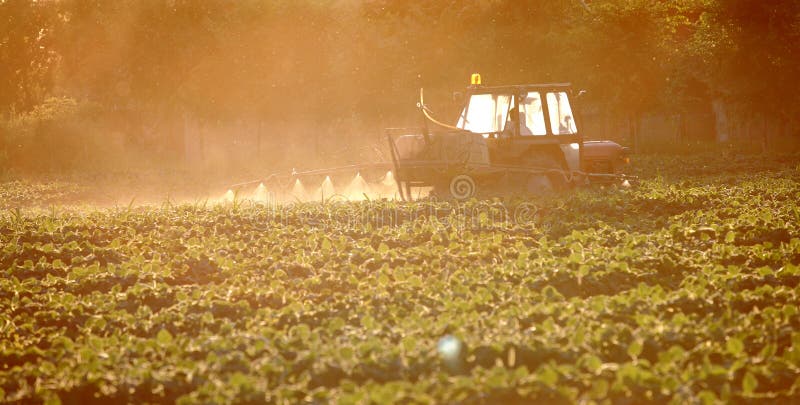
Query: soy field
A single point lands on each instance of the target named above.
(680, 289)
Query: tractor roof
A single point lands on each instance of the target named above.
(517, 88)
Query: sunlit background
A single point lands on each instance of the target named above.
(234, 89)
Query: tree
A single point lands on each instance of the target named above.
(745, 53)
(27, 57)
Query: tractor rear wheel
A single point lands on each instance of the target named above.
(537, 184)
(554, 179)
(462, 187)
(459, 187)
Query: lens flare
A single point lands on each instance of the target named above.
(449, 347)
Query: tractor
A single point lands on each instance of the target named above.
(508, 140)
(520, 139)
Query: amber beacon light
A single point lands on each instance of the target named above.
(475, 79)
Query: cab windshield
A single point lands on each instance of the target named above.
(485, 113)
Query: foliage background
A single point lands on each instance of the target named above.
(221, 84)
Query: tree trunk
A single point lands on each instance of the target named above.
(681, 130)
(632, 133)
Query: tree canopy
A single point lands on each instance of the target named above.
(218, 59)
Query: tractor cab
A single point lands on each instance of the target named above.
(525, 124)
(522, 139)
(496, 112)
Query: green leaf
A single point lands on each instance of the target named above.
(336, 324)
(302, 331)
(599, 389)
(163, 337)
(730, 237)
(326, 245)
(239, 380)
(592, 363)
(409, 343)
(52, 399)
(635, 349)
(548, 376)
(735, 346)
(346, 352)
(368, 322)
(579, 336)
(708, 397)
(749, 383)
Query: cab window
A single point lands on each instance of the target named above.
(485, 113)
(561, 119)
(531, 115)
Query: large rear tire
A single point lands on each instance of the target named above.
(459, 187)
(553, 180)
(462, 187)
(537, 184)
